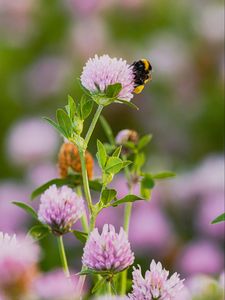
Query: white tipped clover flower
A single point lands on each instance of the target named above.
(155, 284)
(100, 72)
(108, 251)
(17, 258)
(60, 208)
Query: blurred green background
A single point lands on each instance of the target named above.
(43, 47)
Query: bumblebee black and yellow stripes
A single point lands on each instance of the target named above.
(142, 74)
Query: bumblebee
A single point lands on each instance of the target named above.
(142, 74)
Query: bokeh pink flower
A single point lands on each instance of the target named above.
(30, 141)
(202, 256)
(55, 286)
(18, 255)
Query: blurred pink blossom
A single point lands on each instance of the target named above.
(87, 8)
(12, 218)
(30, 141)
(112, 215)
(210, 22)
(209, 176)
(16, 20)
(206, 180)
(41, 173)
(168, 52)
(222, 280)
(55, 286)
(17, 256)
(204, 287)
(150, 228)
(210, 208)
(95, 42)
(200, 256)
(184, 294)
(47, 76)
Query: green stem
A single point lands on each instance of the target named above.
(85, 181)
(109, 289)
(63, 256)
(93, 123)
(92, 222)
(84, 220)
(127, 215)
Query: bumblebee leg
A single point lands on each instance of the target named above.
(139, 89)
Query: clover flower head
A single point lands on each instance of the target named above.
(60, 208)
(100, 72)
(18, 256)
(108, 251)
(155, 284)
(126, 135)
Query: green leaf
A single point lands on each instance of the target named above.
(26, 208)
(71, 107)
(108, 195)
(55, 125)
(86, 108)
(72, 180)
(113, 90)
(128, 198)
(126, 163)
(108, 131)
(139, 161)
(95, 185)
(98, 285)
(81, 236)
(220, 218)
(147, 181)
(101, 155)
(144, 141)
(114, 165)
(117, 152)
(38, 232)
(163, 175)
(145, 193)
(128, 103)
(109, 148)
(130, 145)
(64, 122)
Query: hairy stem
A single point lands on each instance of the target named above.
(63, 256)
